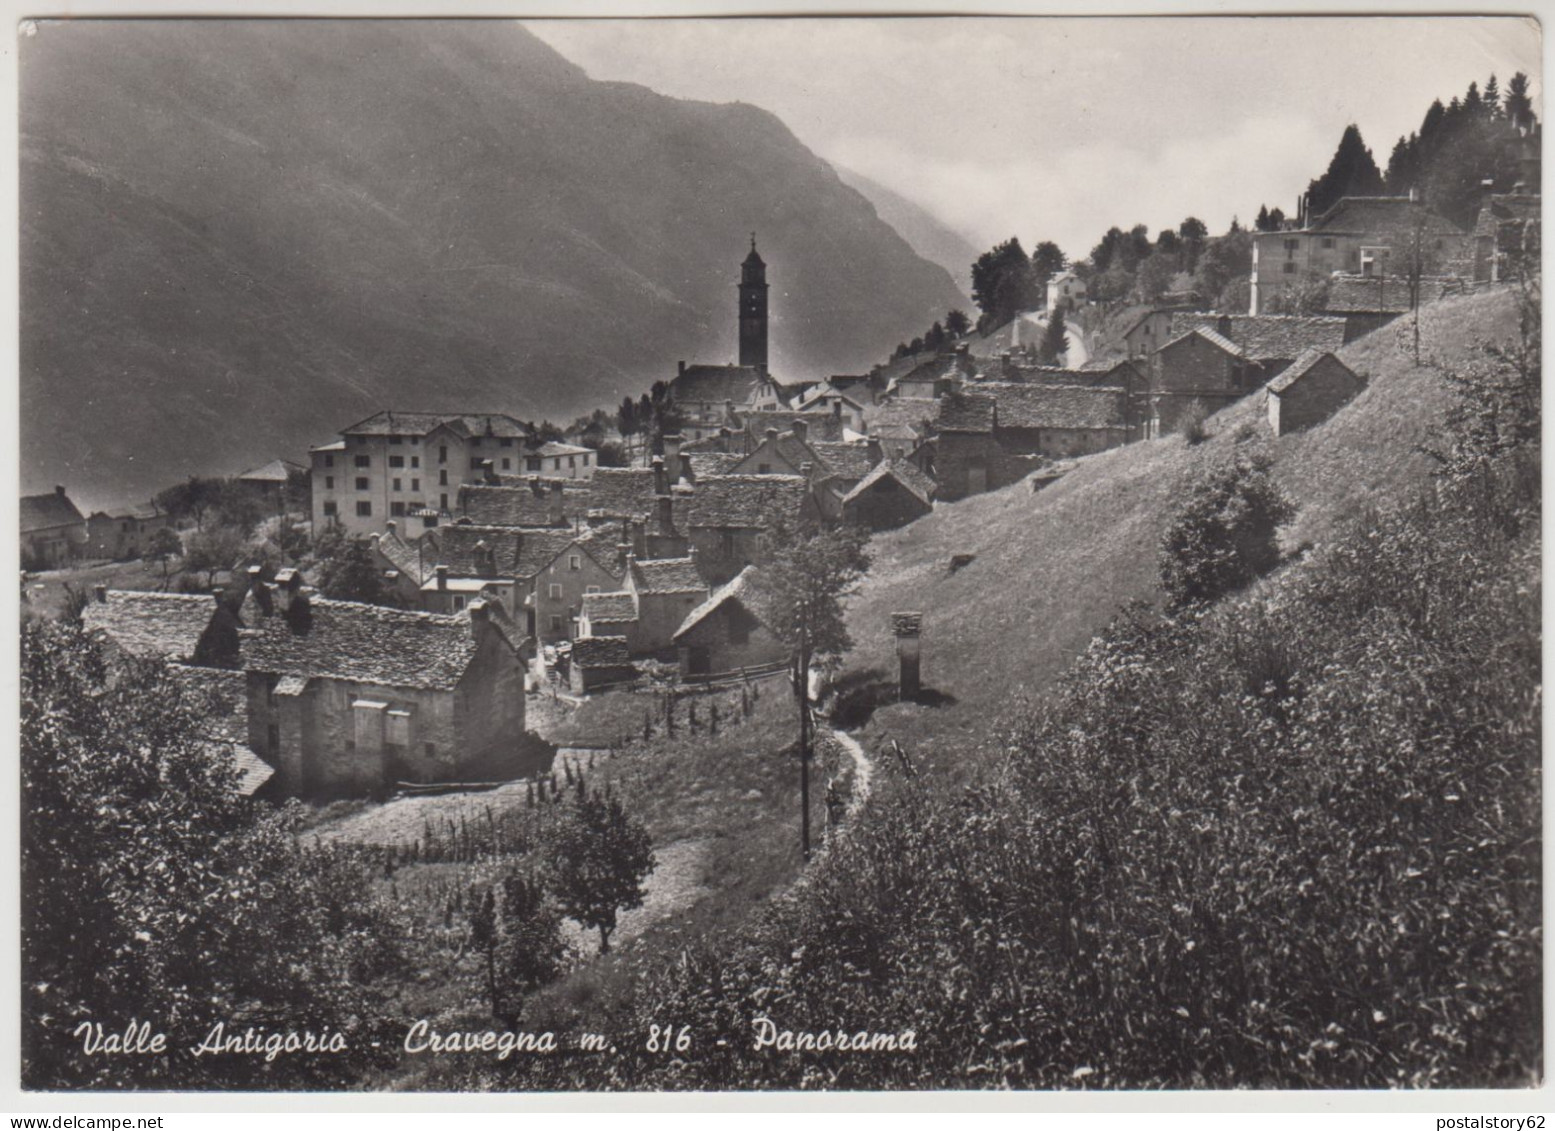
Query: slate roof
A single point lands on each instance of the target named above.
(276, 471)
(965, 412)
(554, 448)
(819, 425)
(715, 384)
(748, 588)
(746, 502)
(513, 504)
(1357, 294)
(1301, 366)
(609, 608)
(390, 423)
(622, 492)
(600, 652)
(1058, 406)
(843, 461)
(1279, 337)
(140, 512)
(704, 464)
(161, 625)
(1376, 214)
(1210, 335)
(667, 575)
(222, 695)
(44, 512)
(515, 553)
(790, 448)
(904, 472)
(363, 643)
(406, 558)
(902, 414)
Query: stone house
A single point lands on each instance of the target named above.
(53, 532)
(405, 565)
(1366, 304)
(838, 468)
(965, 457)
(404, 464)
(598, 663)
(1195, 374)
(653, 600)
(1311, 390)
(558, 460)
(929, 381)
(540, 575)
(735, 520)
(344, 698)
(267, 483)
(1359, 235)
(846, 407)
(126, 534)
(708, 397)
(1066, 289)
(222, 698)
(892, 494)
(811, 425)
(730, 630)
(1061, 421)
(1269, 341)
(530, 502)
(1147, 331)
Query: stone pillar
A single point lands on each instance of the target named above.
(906, 627)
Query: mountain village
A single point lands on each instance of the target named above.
(446, 612)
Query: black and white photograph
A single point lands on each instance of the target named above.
(848, 554)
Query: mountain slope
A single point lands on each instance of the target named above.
(928, 236)
(238, 236)
(1052, 569)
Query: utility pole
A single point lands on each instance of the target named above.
(802, 693)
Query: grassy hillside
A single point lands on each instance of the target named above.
(237, 235)
(1052, 569)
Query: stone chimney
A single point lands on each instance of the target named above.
(681, 371)
(288, 583)
(906, 627)
(480, 617)
(805, 469)
(393, 527)
(260, 591)
(100, 594)
(536, 486)
(672, 464)
(1223, 325)
(557, 511)
(876, 453)
(772, 434)
(489, 471)
(801, 430)
(666, 505)
(661, 485)
(485, 559)
(441, 573)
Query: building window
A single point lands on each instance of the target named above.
(329, 509)
(397, 486)
(415, 461)
(396, 461)
(458, 603)
(555, 591)
(1292, 245)
(442, 454)
(443, 505)
(726, 543)
(428, 521)
(329, 482)
(1290, 268)
(556, 464)
(533, 463)
(396, 439)
(364, 509)
(572, 461)
(475, 441)
(397, 509)
(575, 561)
(415, 484)
(364, 461)
(329, 461)
(763, 469)
(507, 443)
(507, 464)
(1328, 243)
(558, 624)
(361, 483)
(591, 589)
(442, 478)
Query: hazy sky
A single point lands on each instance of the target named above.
(1052, 128)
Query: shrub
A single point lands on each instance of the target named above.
(1223, 535)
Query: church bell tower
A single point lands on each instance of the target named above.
(753, 310)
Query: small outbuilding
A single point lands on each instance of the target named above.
(1315, 387)
(598, 662)
(893, 494)
(730, 630)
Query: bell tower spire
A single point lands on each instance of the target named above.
(753, 310)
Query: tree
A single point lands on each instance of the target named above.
(611, 454)
(1492, 97)
(1276, 219)
(189, 500)
(1223, 535)
(530, 950)
(1261, 221)
(163, 545)
(957, 323)
(1055, 340)
(1307, 294)
(1518, 106)
(211, 550)
(806, 583)
(238, 505)
(599, 856)
(348, 572)
(1224, 259)
(1047, 260)
(1351, 172)
(1193, 233)
(1002, 281)
(1155, 277)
